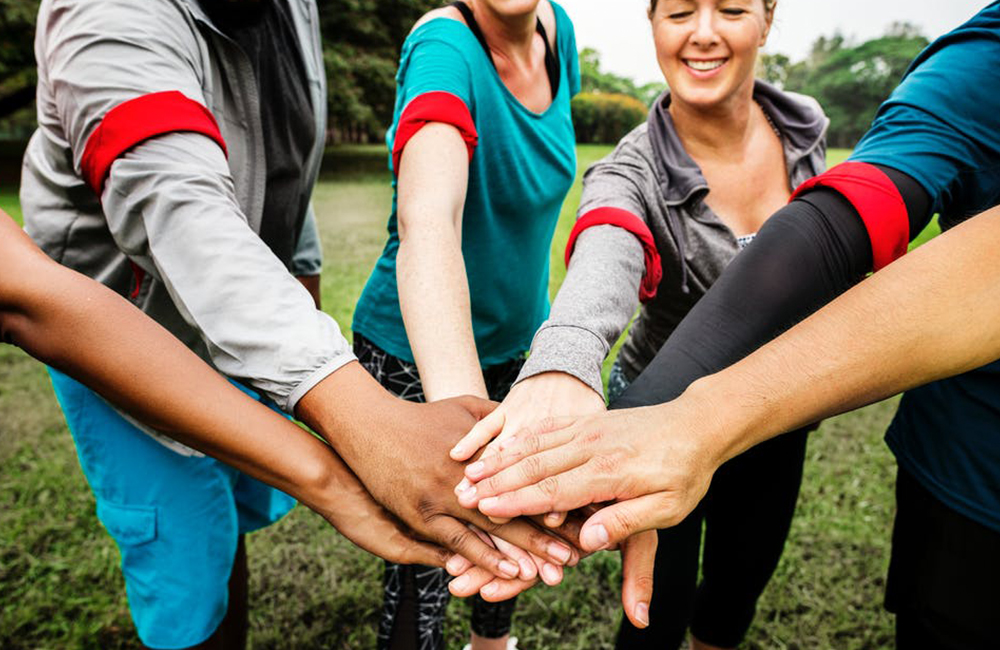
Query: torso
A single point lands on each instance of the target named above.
(528, 83)
(748, 188)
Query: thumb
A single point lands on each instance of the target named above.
(638, 558)
(615, 523)
(485, 430)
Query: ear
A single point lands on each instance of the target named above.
(768, 21)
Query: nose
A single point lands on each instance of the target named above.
(705, 34)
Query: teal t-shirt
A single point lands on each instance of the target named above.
(942, 127)
(519, 174)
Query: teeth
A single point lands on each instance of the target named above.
(704, 66)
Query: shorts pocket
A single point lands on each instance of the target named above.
(130, 525)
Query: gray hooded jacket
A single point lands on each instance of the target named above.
(650, 175)
(175, 225)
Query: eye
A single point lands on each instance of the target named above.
(679, 15)
(734, 11)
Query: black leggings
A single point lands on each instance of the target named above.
(746, 515)
(416, 596)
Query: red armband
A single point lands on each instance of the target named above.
(140, 119)
(632, 223)
(878, 202)
(433, 107)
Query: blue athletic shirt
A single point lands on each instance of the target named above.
(942, 127)
(519, 174)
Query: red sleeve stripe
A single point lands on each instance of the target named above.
(636, 226)
(878, 202)
(433, 107)
(139, 119)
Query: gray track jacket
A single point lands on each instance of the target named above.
(651, 176)
(175, 225)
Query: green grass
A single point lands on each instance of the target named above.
(60, 586)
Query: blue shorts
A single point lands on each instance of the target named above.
(176, 518)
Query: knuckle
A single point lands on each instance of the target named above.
(607, 465)
(530, 468)
(549, 488)
(427, 509)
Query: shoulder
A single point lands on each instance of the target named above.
(449, 13)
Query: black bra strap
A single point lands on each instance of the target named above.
(551, 58)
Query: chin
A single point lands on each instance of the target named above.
(511, 7)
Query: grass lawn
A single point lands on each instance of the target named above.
(60, 586)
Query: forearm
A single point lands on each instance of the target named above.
(594, 304)
(434, 300)
(430, 269)
(929, 315)
(87, 331)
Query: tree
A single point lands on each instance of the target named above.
(17, 63)
(850, 82)
(594, 80)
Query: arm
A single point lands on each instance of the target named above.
(170, 204)
(433, 291)
(79, 327)
(599, 295)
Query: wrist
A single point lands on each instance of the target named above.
(720, 424)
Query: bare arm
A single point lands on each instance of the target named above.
(433, 290)
(87, 331)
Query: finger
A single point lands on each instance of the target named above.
(457, 565)
(526, 442)
(557, 492)
(528, 568)
(497, 591)
(555, 519)
(638, 557)
(476, 406)
(524, 535)
(457, 537)
(617, 522)
(527, 471)
(484, 431)
(476, 580)
(425, 554)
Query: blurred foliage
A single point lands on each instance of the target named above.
(17, 66)
(594, 80)
(604, 118)
(849, 81)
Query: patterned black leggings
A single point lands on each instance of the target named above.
(416, 596)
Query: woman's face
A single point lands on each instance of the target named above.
(707, 49)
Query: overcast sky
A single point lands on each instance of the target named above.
(618, 29)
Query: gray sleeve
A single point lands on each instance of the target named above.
(601, 290)
(170, 202)
(308, 257)
(171, 208)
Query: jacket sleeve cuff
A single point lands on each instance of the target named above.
(317, 376)
(566, 348)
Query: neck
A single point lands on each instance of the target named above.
(510, 36)
(709, 132)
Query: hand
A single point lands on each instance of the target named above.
(534, 400)
(399, 449)
(656, 463)
(357, 516)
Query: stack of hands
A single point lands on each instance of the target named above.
(504, 496)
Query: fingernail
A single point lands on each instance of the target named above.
(559, 552)
(509, 569)
(551, 574)
(489, 590)
(507, 442)
(527, 569)
(596, 537)
(460, 583)
(463, 486)
(551, 519)
(456, 451)
(642, 613)
(468, 494)
(454, 565)
(488, 503)
(476, 468)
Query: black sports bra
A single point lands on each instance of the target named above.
(551, 58)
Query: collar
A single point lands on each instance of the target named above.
(799, 120)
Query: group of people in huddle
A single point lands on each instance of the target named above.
(177, 148)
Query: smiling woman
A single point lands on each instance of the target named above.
(659, 221)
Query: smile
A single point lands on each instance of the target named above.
(703, 65)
